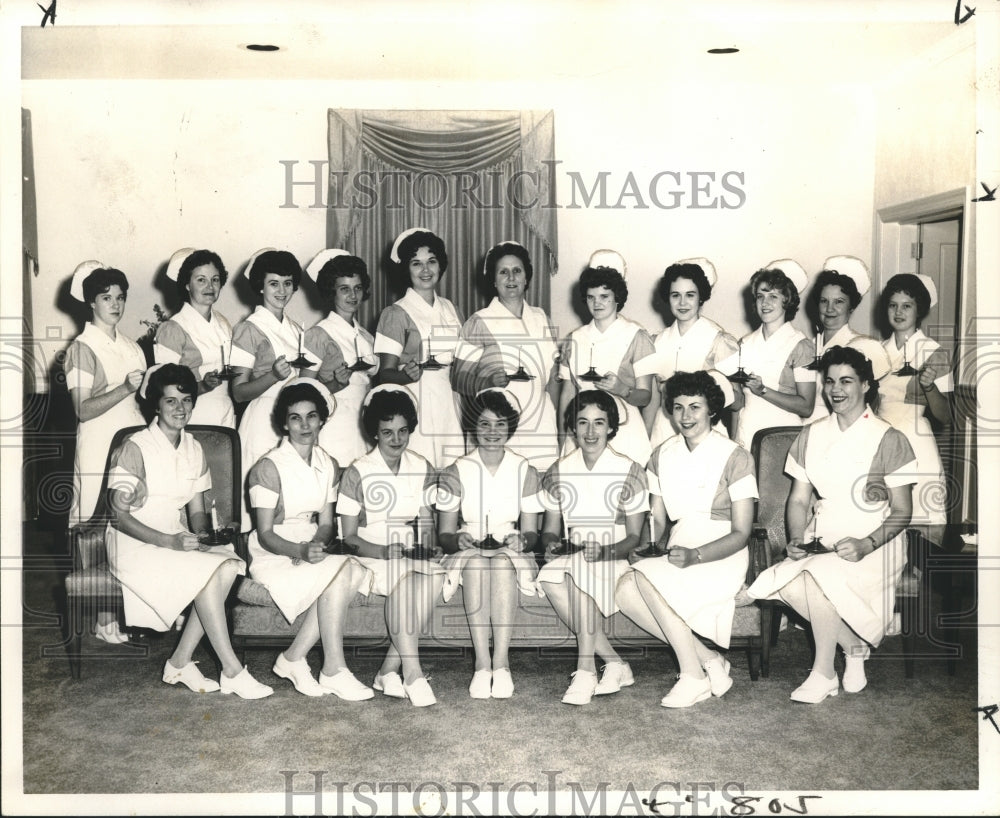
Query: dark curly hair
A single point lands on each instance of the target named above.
(776, 280)
(910, 285)
(495, 402)
(342, 267)
(192, 263)
(296, 393)
(278, 262)
(690, 271)
(834, 279)
(507, 248)
(409, 246)
(694, 383)
(101, 281)
(849, 356)
(386, 405)
(592, 397)
(592, 277)
(162, 377)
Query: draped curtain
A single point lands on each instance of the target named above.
(475, 178)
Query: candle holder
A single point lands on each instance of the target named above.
(490, 543)
(416, 551)
(301, 362)
(905, 370)
(219, 536)
(339, 547)
(740, 376)
(359, 365)
(815, 546)
(226, 373)
(566, 547)
(432, 364)
(521, 374)
(650, 550)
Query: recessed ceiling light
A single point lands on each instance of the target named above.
(723, 51)
(261, 47)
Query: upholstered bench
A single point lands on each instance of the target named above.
(257, 623)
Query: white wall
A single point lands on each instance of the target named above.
(129, 171)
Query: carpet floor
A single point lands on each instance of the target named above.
(120, 730)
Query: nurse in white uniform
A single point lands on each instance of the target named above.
(293, 489)
(488, 510)
(264, 344)
(611, 353)
(834, 297)
(342, 349)
(691, 343)
(852, 475)
(384, 504)
(158, 486)
(597, 498)
(103, 370)
(198, 336)
(416, 339)
(780, 390)
(704, 483)
(920, 379)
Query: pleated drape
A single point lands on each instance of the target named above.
(475, 178)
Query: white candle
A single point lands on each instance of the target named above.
(652, 529)
(222, 353)
(215, 518)
(416, 533)
(300, 342)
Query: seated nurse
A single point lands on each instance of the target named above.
(293, 489)
(489, 509)
(704, 483)
(598, 498)
(385, 505)
(157, 486)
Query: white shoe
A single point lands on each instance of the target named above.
(616, 675)
(582, 688)
(110, 633)
(815, 688)
(345, 685)
(854, 680)
(190, 676)
(687, 691)
(299, 674)
(503, 684)
(481, 683)
(419, 693)
(244, 685)
(391, 685)
(717, 669)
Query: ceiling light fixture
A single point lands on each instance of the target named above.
(261, 47)
(723, 50)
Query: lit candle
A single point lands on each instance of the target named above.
(817, 341)
(215, 518)
(222, 353)
(416, 533)
(487, 525)
(356, 353)
(591, 356)
(300, 342)
(652, 529)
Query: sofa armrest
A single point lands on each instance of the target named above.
(89, 544)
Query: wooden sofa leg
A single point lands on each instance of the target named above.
(768, 636)
(907, 626)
